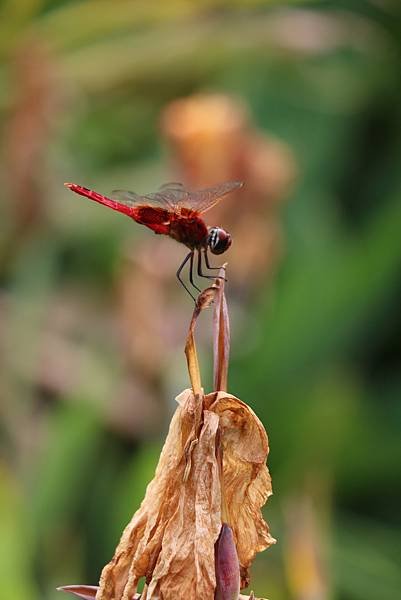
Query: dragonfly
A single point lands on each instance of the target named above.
(176, 212)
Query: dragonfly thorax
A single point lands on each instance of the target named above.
(218, 240)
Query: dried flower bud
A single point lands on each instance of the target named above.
(227, 566)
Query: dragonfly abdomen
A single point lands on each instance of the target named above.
(157, 219)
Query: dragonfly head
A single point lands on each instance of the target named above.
(218, 240)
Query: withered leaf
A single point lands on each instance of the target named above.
(170, 539)
(246, 479)
(203, 301)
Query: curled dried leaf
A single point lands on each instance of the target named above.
(170, 540)
(246, 482)
(206, 298)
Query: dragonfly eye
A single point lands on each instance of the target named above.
(218, 240)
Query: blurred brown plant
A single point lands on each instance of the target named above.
(27, 128)
(200, 525)
(212, 138)
(148, 323)
(27, 136)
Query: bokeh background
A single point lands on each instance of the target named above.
(302, 102)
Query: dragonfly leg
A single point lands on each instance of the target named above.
(208, 266)
(189, 256)
(207, 262)
(191, 273)
(200, 272)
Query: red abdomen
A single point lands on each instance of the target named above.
(157, 219)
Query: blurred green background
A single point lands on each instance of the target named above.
(92, 322)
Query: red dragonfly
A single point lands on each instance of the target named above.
(176, 212)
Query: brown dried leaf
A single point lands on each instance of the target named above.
(193, 364)
(183, 569)
(171, 538)
(203, 301)
(246, 479)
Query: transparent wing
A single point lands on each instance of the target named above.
(177, 196)
(131, 199)
(176, 185)
(173, 193)
(170, 196)
(203, 200)
(173, 196)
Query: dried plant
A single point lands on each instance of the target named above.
(200, 525)
(30, 125)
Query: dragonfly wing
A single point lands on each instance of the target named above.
(173, 196)
(131, 199)
(176, 185)
(204, 200)
(141, 208)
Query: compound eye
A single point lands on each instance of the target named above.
(219, 240)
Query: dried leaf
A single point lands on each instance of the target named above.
(193, 364)
(183, 569)
(204, 300)
(171, 538)
(246, 479)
